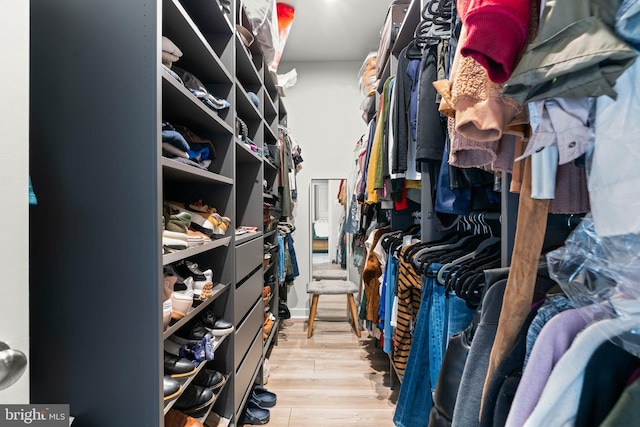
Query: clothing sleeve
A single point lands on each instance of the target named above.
(401, 106)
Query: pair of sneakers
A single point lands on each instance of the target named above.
(204, 218)
(257, 410)
(178, 297)
(200, 281)
(269, 321)
(177, 233)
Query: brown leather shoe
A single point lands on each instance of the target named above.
(176, 418)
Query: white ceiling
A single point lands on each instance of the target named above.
(334, 30)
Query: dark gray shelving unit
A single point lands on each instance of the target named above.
(96, 236)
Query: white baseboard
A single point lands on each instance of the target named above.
(299, 313)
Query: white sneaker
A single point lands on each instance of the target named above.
(166, 313)
(174, 243)
(266, 370)
(180, 304)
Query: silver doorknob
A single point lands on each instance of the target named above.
(13, 363)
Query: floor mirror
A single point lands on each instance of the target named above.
(329, 243)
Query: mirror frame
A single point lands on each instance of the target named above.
(312, 207)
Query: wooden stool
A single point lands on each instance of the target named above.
(332, 287)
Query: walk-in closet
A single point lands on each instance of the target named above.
(408, 213)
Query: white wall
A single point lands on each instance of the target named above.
(324, 118)
(14, 173)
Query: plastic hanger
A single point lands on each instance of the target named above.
(481, 247)
(459, 243)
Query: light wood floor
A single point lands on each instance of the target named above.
(332, 379)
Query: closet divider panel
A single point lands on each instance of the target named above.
(95, 314)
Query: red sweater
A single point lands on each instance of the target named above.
(497, 32)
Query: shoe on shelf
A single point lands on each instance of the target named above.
(216, 325)
(195, 400)
(196, 239)
(207, 223)
(205, 238)
(254, 415)
(268, 322)
(178, 222)
(267, 327)
(190, 333)
(199, 206)
(177, 367)
(201, 294)
(174, 233)
(202, 280)
(167, 309)
(263, 397)
(215, 420)
(175, 418)
(209, 378)
(269, 279)
(266, 371)
(283, 311)
(183, 283)
(168, 283)
(181, 303)
(173, 243)
(172, 388)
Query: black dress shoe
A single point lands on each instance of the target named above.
(195, 400)
(255, 415)
(218, 327)
(186, 268)
(209, 378)
(172, 388)
(177, 367)
(191, 332)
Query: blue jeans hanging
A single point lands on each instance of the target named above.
(440, 316)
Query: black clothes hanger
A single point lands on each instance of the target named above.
(459, 284)
(435, 23)
(486, 245)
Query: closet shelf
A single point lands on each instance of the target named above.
(203, 418)
(247, 110)
(208, 16)
(181, 172)
(246, 237)
(195, 250)
(270, 110)
(270, 134)
(269, 196)
(245, 154)
(218, 290)
(282, 111)
(182, 106)
(270, 84)
(267, 307)
(269, 234)
(386, 72)
(246, 70)
(198, 55)
(270, 165)
(408, 28)
(270, 265)
(168, 405)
